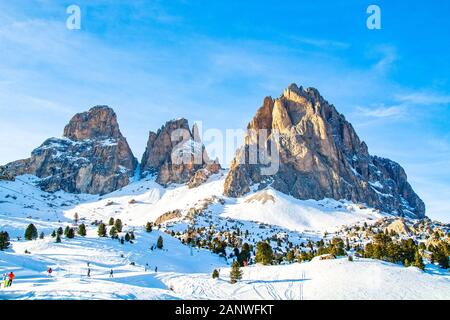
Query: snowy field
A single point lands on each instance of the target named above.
(185, 273)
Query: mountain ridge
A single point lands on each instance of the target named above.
(320, 156)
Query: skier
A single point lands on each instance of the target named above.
(111, 274)
(89, 272)
(156, 269)
(50, 270)
(11, 277)
(146, 267)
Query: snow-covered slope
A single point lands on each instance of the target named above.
(275, 208)
(185, 272)
(146, 200)
(319, 279)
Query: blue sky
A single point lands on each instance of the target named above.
(216, 60)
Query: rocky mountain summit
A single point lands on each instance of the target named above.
(92, 157)
(320, 156)
(176, 155)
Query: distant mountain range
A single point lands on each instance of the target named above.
(320, 156)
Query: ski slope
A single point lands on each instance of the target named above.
(133, 265)
(185, 272)
(318, 279)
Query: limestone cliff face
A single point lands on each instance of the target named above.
(320, 156)
(175, 154)
(92, 157)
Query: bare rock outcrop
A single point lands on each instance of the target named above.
(92, 157)
(171, 215)
(4, 175)
(320, 156)
(398, 226)
(175, 154)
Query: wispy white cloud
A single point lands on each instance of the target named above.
(386, 57)
(322, 43)
(382, 112)
(423, 98)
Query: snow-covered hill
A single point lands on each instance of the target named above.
(185, 272)
(146, 200)
(318, 279)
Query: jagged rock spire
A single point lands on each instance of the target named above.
(175, 154)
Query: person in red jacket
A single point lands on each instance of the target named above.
(11, 277)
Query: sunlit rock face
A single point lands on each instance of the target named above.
(320, 156)
(92, 157)
(175, 154)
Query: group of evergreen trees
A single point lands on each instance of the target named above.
(68, 232)
(57, 234)
(404, 251)
(116, 227)
(440, 253)
(335, 247)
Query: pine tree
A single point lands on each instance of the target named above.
(76, 218)
(235, 273)
(148, 227)
(4, 240)
(264, 253)
(111, 221)
(127, 237)
(118, 225)
(101, 231)
(418, 262)
(60, 231)
(159, 243)
(82, 230)
(70, 233)
(31, 232)
(58, 238)
(113, 232)
(42, 235)
(215, 274)
(66, 231)
(53, 233)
